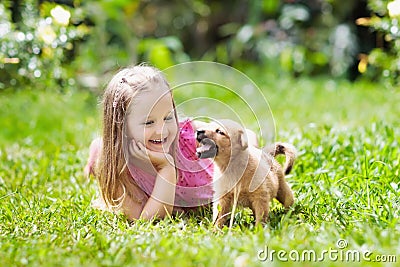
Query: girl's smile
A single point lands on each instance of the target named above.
(157, 145)
(158, 142)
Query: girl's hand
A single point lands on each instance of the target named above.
(158, 159)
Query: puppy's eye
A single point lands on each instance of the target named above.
(218, 131)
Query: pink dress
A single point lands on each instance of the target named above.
(194, 186)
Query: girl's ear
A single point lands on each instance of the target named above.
(242, 139)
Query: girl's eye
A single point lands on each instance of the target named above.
(170, 117)
(218, 131)
(148, 122)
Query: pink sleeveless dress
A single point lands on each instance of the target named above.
(194, 186)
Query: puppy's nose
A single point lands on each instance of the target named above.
(200, 135)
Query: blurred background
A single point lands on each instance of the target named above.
(59, 45)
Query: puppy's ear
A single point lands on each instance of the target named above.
(242, 139)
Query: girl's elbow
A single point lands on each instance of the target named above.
(94, 154)
(161, 213)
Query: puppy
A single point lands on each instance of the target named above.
(245, 175)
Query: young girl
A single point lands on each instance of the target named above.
(145, 162)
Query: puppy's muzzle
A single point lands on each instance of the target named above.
(207, 147)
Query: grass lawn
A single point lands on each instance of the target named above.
(346, 182)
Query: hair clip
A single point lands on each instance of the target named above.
(118, 91)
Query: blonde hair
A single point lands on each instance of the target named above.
(113, 176)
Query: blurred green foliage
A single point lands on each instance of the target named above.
(37, 43)
(383, 62)
(297, 37)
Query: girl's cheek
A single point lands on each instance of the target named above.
(145, 133)
(136, 131)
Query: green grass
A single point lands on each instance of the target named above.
(346, 182)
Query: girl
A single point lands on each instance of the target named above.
(145, 162)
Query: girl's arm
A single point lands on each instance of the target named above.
(154, 207)
(161, 201)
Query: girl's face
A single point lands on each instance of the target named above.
(151, 119)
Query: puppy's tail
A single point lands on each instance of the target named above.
(283, 149)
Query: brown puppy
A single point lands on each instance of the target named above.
(245, 175)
